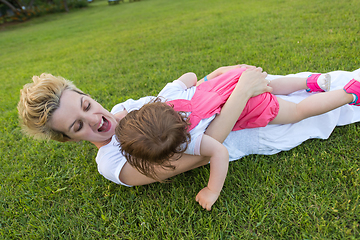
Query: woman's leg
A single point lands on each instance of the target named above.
(316, 104)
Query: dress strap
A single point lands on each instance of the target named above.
(180, 105)
(185, 106)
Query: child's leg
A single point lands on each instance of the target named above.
(316, 104)
(287, 85)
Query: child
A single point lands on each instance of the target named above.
(154, 133)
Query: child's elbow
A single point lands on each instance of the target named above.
(193, 78)
(191, 74)
(224, 152)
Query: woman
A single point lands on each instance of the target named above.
(66, 114)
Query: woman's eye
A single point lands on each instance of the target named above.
(80, 126)
(88, 107)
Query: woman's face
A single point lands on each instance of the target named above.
(82, 118)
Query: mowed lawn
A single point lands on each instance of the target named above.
(51, 190)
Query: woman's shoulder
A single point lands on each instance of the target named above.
(176, 90)
(110, 161)
(131, 104)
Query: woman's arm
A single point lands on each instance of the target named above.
(219, 165)
(131, 176)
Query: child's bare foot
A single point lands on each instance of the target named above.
(324, 82)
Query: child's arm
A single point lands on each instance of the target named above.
(189, 79)
(251, 83)
(219, 162)
(222, 70)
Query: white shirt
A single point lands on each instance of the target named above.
(109, 159)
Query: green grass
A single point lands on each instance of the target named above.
(50, 190)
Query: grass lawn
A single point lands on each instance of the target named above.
(51, 190)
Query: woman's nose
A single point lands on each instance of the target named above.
(94, 121)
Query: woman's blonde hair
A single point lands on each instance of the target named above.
(38, 101)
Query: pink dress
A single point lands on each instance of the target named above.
(210, 96)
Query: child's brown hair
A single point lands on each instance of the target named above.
(150, 136)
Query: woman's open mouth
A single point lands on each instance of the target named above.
(105, 125)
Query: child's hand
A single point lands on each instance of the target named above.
(247, 66)
(254, 82)
(206, 198)
(225, 69)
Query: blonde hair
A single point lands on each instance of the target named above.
(38, 101)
